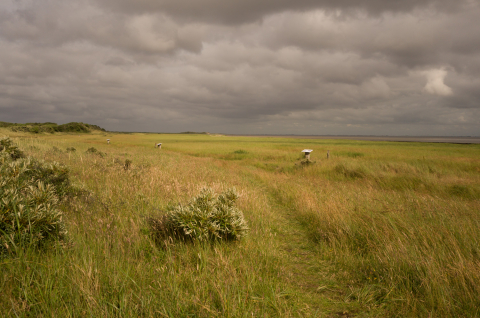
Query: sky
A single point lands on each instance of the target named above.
(306, 67)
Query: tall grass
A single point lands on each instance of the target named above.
(379, 229)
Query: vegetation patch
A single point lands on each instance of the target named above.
(7, 147)
(206, 218)
(48, 127)
(127, 164)
(95, 151)
(240, 152)
(29, 192)
(306, 162)
(351, 154)
(350, 173)
(463, 191)
(392, 236)
(235, 155)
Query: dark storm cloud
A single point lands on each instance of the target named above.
(307, 67)
(63, 22)
(241, 11)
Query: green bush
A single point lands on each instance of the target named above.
(7, 146)
(127, 164)
(33, 170)
(95, 151)
(73, 127)
(28, 209)
(51, 173)
(206, 217)
(5, 124)
(49, 127)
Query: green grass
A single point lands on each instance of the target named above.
(379, 229)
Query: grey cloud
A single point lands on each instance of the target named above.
(272, 67)
(241, 11)
(411, 40)
(61, 22)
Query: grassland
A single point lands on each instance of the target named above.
(380, 229)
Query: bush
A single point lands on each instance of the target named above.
(28, 209)
(127, 164)
(71, 149)
(205, 218)
(51, 173)
(49, 127)
(7, 146)
(94, 151)
(73, 127)
(33, 170)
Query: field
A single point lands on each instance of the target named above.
(379, 229)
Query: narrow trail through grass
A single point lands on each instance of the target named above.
(378, 230)
(303, 267)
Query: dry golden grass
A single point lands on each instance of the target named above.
(379, 229)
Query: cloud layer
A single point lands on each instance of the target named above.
(302, 67)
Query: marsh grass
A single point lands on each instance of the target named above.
(393, 232)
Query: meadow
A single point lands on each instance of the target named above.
(379, 229)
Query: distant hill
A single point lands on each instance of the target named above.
(51, 127)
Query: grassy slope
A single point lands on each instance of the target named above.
(379, 229)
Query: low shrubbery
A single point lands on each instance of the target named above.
(51, 127)
(30, 190)
(7, 147)
(95, 151)
(29, 217)
(206, 217)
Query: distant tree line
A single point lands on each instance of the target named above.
(49, 127)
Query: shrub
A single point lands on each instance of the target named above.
(71, 149)
(49, 127)
(28, 210)
(5, 124)
(73, 127)
(7, 146)
(206, 217)
(94, 151)
(33, 170)
(127, 164)
(51, 173)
